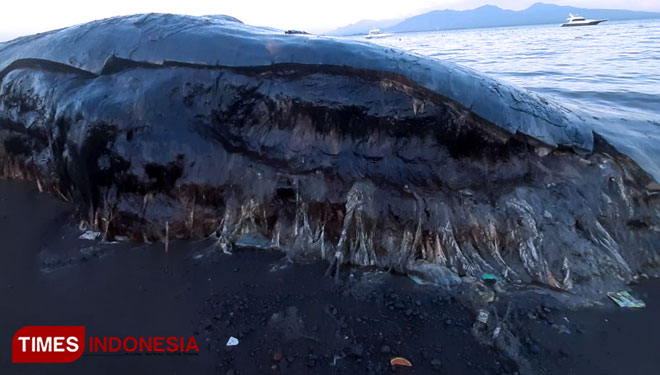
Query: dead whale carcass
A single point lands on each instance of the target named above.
(321, 147)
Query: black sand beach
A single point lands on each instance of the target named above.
(288, 318)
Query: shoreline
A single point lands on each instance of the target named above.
(280, 310)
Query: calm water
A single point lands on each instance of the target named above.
(613, 67)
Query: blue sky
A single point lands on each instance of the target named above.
(28, 17)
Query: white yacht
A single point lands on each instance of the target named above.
(376, 33)
(575, 20)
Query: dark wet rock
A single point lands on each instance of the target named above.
(357, 350)
(476, 295)
(324, 149)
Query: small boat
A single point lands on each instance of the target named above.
(575, 20)
(376, 33)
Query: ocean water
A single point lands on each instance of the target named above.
(613, 67)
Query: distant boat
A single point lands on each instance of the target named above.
(376, 33)
(575, 20)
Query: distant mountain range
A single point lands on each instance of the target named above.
(489, 16)
(363, 27)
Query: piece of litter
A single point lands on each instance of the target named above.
(233, 341)
(483, 316)
(90, 235)
(624, 299)
(400, 361)
(489, 278)
(496, 332)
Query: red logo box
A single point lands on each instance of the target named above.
(48, 344)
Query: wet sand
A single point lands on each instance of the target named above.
(288, 318)
(600, 340)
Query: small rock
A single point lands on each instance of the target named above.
(357, 350)
(653, 187)
(467, 192)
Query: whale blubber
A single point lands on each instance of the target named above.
(360, 164)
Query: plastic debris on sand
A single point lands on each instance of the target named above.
(483, 316)
(400, 361)
(90, 235)
(624, 299)
(489, 278)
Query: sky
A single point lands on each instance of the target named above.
(28, 17)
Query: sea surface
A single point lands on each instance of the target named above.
(613, 67)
